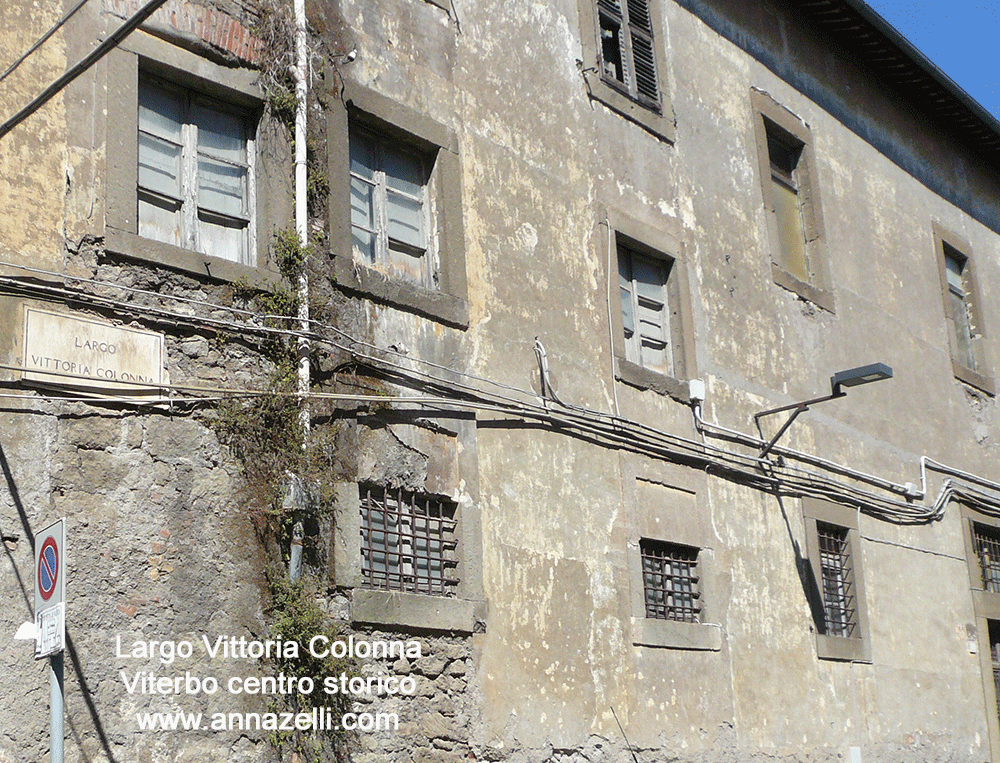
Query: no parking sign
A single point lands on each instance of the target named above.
(50, 589)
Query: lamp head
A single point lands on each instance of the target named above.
(855, 377)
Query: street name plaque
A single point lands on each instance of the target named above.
(67, 351)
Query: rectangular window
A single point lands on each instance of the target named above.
(790, 192)
(389, 206)
(963, 310)
(986, 540)
(840, 612)
(836, 589)
(957, 275)
(642, 284)
(784, 152)
(195, 173)
(670, 581)
(994, 627)
(627, 58)
(408, 542)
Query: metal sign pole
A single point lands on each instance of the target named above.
(56, 730)
(50, 624)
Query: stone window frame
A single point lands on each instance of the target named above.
(143, 55)
(986, 607)
(771, 117)
(657, 121)
(446, 303)
(458, 614)
(981, 377)
(464, 609)
(689, 526)
(849, 649)
(659, 244)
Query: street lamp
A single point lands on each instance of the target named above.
(853, 377)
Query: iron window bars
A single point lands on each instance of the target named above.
(408, 542)
(840, 612)
(670, 581)
(987, 543)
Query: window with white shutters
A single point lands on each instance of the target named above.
(389, 208)
(195, 172)
(642, 284)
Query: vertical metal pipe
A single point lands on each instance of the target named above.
(300, 71)
(295, 557)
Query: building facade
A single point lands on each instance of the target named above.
(560, 257)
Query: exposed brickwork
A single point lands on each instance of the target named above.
(214, 27)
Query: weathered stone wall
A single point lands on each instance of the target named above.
(543, 654)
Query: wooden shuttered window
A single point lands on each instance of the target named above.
(642, 284)
(628, 59)
(195, 172)
(389, 206)
(960, 306)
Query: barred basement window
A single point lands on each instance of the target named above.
(408, 542)
(627, 58)
(837, 572)
(987, 543)
(670, 581)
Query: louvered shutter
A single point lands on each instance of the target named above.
(640, 27)
(627, 53)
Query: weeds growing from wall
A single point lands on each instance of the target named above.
(294, 615)
(266, 435)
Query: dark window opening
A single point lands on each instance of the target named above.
(408, 542)
(987, 543)
(670, 581)
(837, 572)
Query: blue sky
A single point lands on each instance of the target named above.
(962, 38)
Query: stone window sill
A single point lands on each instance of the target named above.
(840, 648)
(974, 378)
(416, 611)
(136, 247)
(819, 297)
(655, 123)
(643, 378)
(446, 308)
(668, 634)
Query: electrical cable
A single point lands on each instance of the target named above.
(81, 66)
(41, 40)
(258, 315)
(614, 431)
